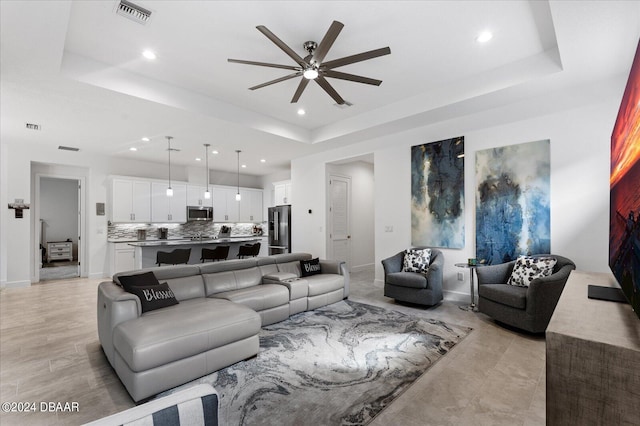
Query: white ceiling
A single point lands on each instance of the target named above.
(76, 68)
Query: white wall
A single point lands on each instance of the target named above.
(361, 210)
(579, 181)
(59, 210)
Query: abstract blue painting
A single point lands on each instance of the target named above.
(437, 194)
(513, 215)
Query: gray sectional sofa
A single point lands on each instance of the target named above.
(221, 308)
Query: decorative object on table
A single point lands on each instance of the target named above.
(528, 308)
(624, 190)
(424, 288)
(513, 202)
(472, 262)
(313, 67)
(437, 194)
(306, 363)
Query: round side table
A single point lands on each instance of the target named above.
(472, 305)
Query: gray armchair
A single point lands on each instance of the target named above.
(414, 287)
(528, 308)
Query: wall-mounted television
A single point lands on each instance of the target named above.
(624, 181)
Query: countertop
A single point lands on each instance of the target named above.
(188, 241)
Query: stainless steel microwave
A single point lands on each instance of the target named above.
(199, 213)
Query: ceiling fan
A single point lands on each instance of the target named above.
(312, 67)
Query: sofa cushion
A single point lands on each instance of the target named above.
(324, 283)
(137, 280)
(407, 279)
(186, 288)
(527, 269)
(291, 267)
(180, 331)
(248, 277)
(510, 295)
(258, 298)
(416, 260)
(154, 297)
(310, 267)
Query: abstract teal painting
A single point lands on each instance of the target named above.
(513, 214)
(437, 194)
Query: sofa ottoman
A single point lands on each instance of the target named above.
(194, 338)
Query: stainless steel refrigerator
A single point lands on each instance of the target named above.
(280, 229)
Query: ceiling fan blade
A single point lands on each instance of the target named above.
(351, 77)
(329, 89)
(299, 90)
(327, 41)
(277, 80)
(356, 58)
(281, 44)
(264, 64)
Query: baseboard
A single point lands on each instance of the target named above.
(361, 268)
(15, 284)
(456, 296)
(98, 275)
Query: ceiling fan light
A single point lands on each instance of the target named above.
(310, 74)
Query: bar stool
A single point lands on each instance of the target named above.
(218, 253)
(173, 257)
(248, 250)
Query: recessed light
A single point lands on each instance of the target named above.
(484, 37)
(145, 139)
(149, 55)
(133, 148)
(244, 166)
(263, 160)
(301, 112)
(214, 152)
(198, 159)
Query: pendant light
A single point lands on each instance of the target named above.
(169, 189)
(238, 196)
(207, 194)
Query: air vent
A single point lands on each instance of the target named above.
(32, 126)
(68, 148)
(133, 11)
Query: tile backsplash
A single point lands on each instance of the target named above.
(126, 231)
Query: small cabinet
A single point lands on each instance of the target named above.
(251, 205)
(168, 209)
(282, 192)
(225, 206)
(62, 250)
(130, 201)
(195, 196)
(123, 256)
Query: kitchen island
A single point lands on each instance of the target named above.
(146, 251)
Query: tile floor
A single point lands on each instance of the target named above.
(49, 351)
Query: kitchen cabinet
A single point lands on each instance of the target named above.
(168, 209)
(251, 205)
(195, 196)
(130, 201)
(225, 206)
(282, 192)
(123, 256)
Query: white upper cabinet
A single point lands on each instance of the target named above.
(282, 192)
(195, 196)
(251, 205)
(168, 209)
(130, 201)
(225, 206)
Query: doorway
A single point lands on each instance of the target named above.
(58, 228)
(350, 212)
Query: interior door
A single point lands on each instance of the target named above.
(339, 219)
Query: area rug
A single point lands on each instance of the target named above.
(341, 364)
